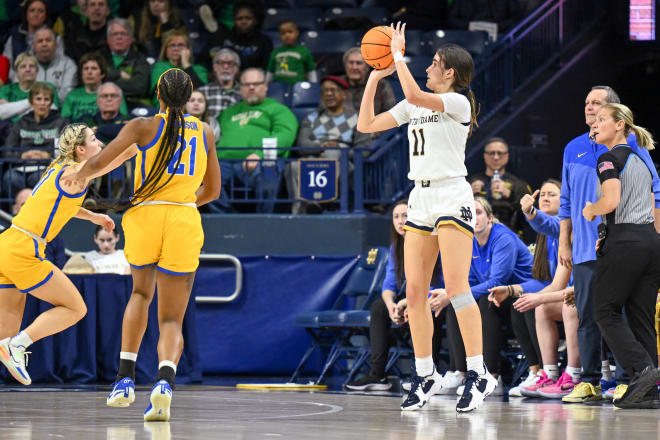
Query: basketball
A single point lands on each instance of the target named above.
(375, 47)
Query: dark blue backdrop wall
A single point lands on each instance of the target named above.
(255, 334)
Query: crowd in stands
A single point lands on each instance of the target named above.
(99, 54)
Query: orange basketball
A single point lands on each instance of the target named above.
(375, 47)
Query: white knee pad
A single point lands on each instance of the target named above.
(462, 300)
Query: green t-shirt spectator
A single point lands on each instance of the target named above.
(12, 93)
(197, 74)
(245, 125)
(79, 103)
(290, 64)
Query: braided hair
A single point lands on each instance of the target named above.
(174, 89)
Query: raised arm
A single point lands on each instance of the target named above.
(128, 136)
(368, 122)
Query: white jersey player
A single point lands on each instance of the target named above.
(440, 209)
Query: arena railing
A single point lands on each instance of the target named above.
(377, 178)
(528, 49)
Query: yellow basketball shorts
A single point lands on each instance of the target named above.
(166, 236)
(22, 262)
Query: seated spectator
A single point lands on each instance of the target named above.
(109, 119)
(501, 188)
(60, 70)
(252, 45)
(55, 248)
(80, 104)
(176, 52)
(390, 308)
(247, 124)
(503, 13)
(91, 36)
(107, 259)
(224, 90)
(17, 93)
(35, 133)
(332, 125)
(291, 62)
(197, 106)
(545, 300)
(127, 67)
(498, 257)
(154, 20)
(21, 36)
(356, 75)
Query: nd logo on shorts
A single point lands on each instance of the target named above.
(466, 214)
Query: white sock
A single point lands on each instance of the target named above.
(575, 373)
(128, 356)
(476, 363)
(172, 365)
(552, 371)
(605, 371)
(424, 366)
(21, 341)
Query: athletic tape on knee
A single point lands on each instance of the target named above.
(462, 300)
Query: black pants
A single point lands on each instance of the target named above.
(492, 317)
(382, 336)
(588, 332)
(628, 275)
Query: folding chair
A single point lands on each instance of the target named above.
(325, 326)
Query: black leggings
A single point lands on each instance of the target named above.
(382, 336)
(492, 317)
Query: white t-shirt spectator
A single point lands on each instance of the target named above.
(110, 263)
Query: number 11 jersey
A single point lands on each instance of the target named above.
(437, 140)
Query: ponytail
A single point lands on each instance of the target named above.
(644, 138)
(474, 110)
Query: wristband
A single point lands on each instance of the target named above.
(398, 57)
(531, 211)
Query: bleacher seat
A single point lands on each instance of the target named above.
(274, 37)
(278, 3)
(305, 18)
(379, 16)
(415, 44)
(398, 91)
(302, 112)
(326, 3)
(280, 91)
(325, 42)
(305, 95)
(325, 326)
(418, 65)
(474, 41)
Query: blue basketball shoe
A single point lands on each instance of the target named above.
(122, 394)
(160, 400)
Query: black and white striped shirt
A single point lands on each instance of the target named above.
(636, 204)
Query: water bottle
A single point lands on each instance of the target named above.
(496, 178)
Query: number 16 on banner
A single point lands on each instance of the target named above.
(318, 180)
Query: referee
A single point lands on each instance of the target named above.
(628, 250)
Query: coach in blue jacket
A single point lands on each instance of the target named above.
(579, 183)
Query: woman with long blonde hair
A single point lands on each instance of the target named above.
(23, 268)
(628, 252)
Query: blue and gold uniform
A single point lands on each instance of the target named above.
(165, 230)
(46, 211)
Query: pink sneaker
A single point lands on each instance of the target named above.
(559, 389)
(532, 391)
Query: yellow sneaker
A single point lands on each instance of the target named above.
(584, 392)
(619, 391)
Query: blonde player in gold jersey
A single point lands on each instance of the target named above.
(23, 267)
(441, 213)
(176, 170)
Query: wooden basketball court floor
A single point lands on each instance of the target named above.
(203, 412)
